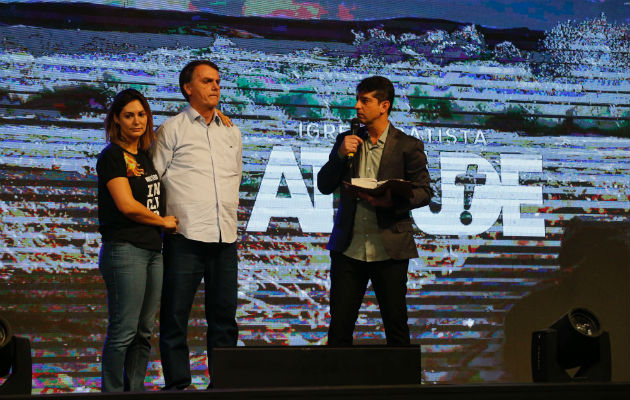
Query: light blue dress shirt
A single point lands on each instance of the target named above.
(200, 166)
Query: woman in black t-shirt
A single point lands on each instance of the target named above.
(130, 209)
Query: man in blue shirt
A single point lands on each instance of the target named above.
(199, 159)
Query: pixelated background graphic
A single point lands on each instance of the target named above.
(524, 110)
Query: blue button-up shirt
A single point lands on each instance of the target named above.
(200, 166)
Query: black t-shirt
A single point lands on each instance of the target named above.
(114, 162)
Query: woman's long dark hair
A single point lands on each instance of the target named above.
(112, 129)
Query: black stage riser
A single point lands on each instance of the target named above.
(308, 366)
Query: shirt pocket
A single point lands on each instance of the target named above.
(229, 157)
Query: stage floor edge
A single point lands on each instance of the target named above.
(573, 391)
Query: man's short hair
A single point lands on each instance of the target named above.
(187, 73)
(382, 86)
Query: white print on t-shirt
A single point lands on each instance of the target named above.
(153, 197)
(151, 178)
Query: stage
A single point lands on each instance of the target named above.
(573, 391)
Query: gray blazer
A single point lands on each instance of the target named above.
(403, 158)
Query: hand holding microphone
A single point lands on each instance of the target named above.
(351, 142)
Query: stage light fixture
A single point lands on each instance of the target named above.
(574, 341)
(15, 361)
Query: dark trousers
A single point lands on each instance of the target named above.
(349, 279)
(186, 262)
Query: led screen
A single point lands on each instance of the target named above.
(524, 109)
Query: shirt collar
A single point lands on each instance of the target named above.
(381, 139)
(194, 115)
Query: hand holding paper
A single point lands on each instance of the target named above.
(374, 188)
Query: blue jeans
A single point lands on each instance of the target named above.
(133, 277)
(186, 262)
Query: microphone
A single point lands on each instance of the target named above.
(355, 126)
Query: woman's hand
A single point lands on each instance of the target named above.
(226, 121)
(170, 224)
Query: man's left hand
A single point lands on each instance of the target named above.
(384, 201)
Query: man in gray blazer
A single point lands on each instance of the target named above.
(372, 238)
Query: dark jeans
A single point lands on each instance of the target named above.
(186, 262)
(349, 279)
(133, 277)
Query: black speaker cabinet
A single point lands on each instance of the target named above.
(295, 366)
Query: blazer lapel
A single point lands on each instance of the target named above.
(388, 152)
